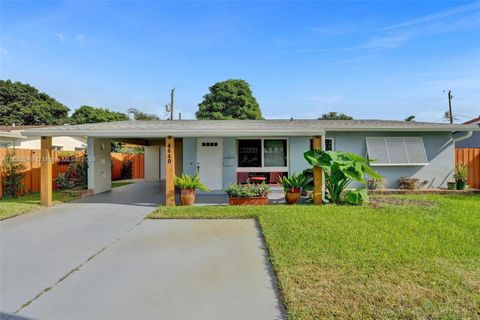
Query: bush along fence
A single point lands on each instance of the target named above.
(20, 169)
(471, 158)
(127, 166)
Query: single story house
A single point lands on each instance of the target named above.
(474, 140)
(11, 136)
(225, 152)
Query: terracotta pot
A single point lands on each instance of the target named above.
(292, 197)
(257, 201)
(187, 197)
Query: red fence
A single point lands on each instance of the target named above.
(471, 158)
(31, 160)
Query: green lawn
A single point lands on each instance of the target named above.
(29, 202)
(116, 184)
(417, 257)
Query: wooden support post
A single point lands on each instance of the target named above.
(317, 174)
(46, 171)
(170, 171)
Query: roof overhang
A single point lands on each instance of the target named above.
(11, 135)
(238, 128)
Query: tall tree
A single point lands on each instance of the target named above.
(227, 100)
(140, 115)
(22, 104)
(335, 116)
(87, 114)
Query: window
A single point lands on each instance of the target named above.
(209, 144)
(275, 153)
(396, 151)
(329, 146)
(57, 148)
(262, 153)
(249, 153)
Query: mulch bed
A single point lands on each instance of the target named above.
(379, 202)
(423, 191)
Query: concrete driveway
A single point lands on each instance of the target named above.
(97, 258)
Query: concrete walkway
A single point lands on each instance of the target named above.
(97, 258)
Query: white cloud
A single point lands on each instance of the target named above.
(81, 38)
(60, 36)
(435, 16)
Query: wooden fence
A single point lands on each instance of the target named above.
(138, 165)
(471, 158)
(31, 160)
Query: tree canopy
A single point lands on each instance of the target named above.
(22, 104)
(335, 116)
(140, 115)
(227, 100)
(88, 114)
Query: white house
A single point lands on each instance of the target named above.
(11, 136)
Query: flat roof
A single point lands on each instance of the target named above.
(235, 128)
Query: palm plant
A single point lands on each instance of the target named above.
(294, 182)
(187, 182)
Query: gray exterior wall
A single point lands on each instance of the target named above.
(190, 156)
(229, 161)
(472, 142)
(297, 147)
(438, 145)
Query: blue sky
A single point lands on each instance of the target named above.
(368, 59)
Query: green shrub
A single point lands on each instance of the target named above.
(356, 197)
(75, 176)
(64, 181)
(189, 182)
(12, 172)
(248, 190)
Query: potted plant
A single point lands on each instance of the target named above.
(188, 186)
(293, 185)
(247, 194)
(375, 184)
(460, 175)
(451, 185)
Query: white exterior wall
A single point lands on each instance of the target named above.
(99, 165)
(67, 143)
(152, 163)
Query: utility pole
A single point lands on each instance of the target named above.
(172, 97)
(450, 106)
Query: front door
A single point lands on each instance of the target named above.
(210, 162)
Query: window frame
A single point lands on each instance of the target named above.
(324, 143)
(397, 164)
(263, 168)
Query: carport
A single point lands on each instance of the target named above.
(179, 142)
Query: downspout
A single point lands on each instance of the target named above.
(468, 135)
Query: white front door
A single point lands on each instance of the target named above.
(210, 162)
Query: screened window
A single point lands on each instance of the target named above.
(275, 153)
(396, 151)
(249, 153)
